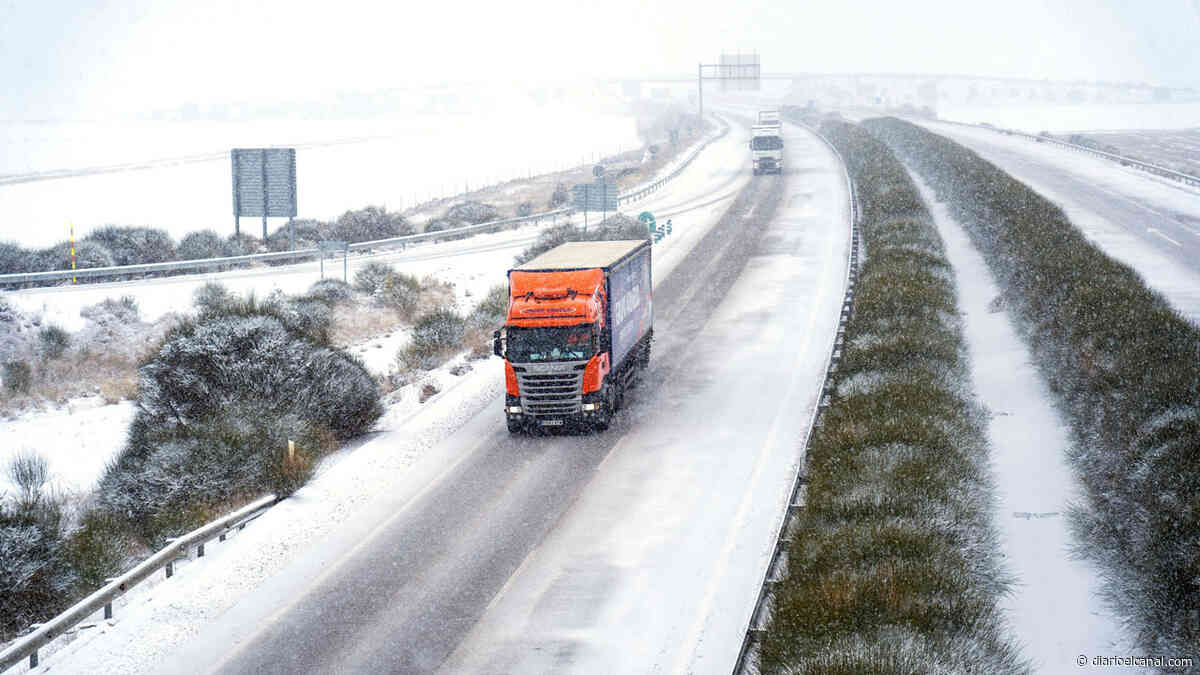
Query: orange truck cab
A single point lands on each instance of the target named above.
(578, 331)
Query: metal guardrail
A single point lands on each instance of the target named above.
(210, 263)
(756, 627)
(1120, 159)
(28, 646)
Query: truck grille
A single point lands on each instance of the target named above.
(551, 393)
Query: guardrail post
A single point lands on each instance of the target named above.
(108, 610)
(170, 569)
(33, 660)
(200, 550)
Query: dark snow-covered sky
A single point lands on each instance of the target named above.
(99, 56)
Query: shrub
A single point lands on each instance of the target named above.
(58, 257)
(435, 336)
(1124, 368)
(54, 341)
(372, 276)
(308, 234)
(18, 377)
(399, 291)
(369, 224)
(29, 471)
(441, 328)
(134, 245)
(201, 245)
(36, 578)
(123, 310)
(472, 212)
(330, 291)
(524, 209)
(13, 258)
(242, 244)
(217, 403)
(492, 310)
(211, 298)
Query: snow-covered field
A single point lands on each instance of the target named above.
(1083, 117)
(153, 617)
(396, 163)
(1054, 611)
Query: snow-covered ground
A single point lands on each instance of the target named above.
(155, 617)
(1035, 118)
(396, 163)
(1055, 611)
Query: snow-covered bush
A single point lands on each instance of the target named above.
(472, 212)
(54, 341)
(307, 232)
(398, 291)
(36, 577)
(435, 336)
(330, 291)
(372, 276)
(369, 224)
(217, 404)
(13, 258)
(87, 254)
(201, 245)
(134, 245)
(1125, 368)
(123, 310)
(18, 377)
(211, 297)
(893, 563)
(492, 310)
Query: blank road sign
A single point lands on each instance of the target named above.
(595, 196)
(264, 182)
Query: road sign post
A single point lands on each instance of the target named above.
(334, 246)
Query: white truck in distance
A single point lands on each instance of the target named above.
(766, 143)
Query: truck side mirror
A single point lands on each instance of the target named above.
(496, 344)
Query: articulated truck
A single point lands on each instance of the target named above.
(578, 333)
(766, 143)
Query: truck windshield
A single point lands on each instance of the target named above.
(768, 143)
(565, 343)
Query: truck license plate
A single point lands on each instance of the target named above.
(550, 423)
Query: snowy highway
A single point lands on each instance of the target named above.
(1149, 223)
(390, 539)
(640, 548)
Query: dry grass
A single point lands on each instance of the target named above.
(356, 322)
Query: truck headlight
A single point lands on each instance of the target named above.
(590, 406)
(513, 410)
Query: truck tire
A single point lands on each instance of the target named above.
(514, 425)
(604, 414)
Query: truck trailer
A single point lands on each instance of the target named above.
(577, 334)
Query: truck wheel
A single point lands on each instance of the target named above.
(605, 413)
(514, 425)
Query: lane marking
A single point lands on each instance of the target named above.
(1151, 230)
